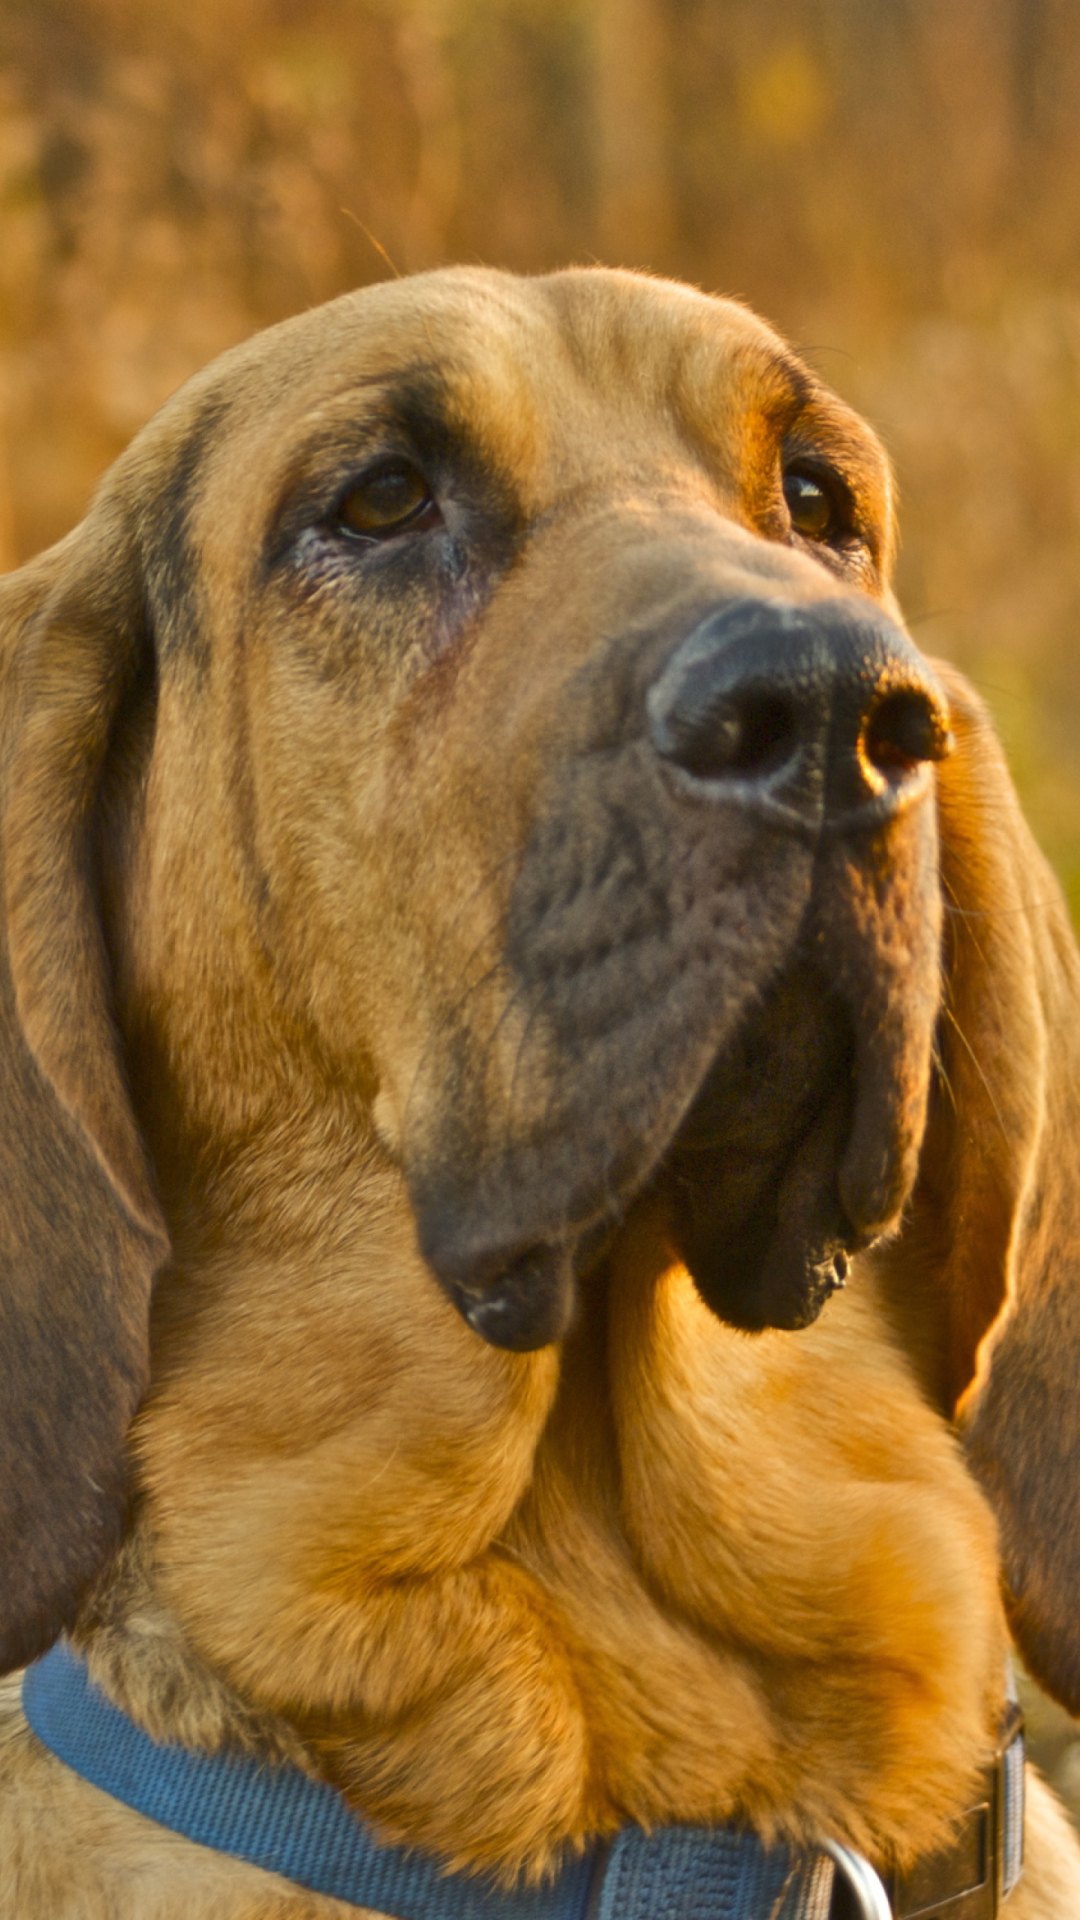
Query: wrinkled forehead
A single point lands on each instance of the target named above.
(549, 383)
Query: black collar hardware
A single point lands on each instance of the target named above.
(971, 1878)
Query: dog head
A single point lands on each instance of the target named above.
(477, 712)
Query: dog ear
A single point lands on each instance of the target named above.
(996, 1215)
(81, 1233)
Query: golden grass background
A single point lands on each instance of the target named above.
(896, 183)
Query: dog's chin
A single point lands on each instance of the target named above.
(751, 1183)
(772, 1261)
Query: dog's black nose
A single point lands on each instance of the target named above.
(818, 711)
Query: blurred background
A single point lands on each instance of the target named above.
(895, 183)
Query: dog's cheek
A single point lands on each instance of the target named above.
(350, 638)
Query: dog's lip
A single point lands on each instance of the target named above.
(517, 1299)
(816, 1092)
(518, 1293)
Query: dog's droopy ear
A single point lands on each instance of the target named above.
(997, 1207)
(81, 1234)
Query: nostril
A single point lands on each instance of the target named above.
(813, 715)
(717, 736)
(770, 734)
(904, 728)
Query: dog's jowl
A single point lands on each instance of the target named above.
(540, 1134)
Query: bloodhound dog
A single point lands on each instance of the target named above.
(540, 1120)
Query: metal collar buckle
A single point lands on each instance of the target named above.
(867, 1898)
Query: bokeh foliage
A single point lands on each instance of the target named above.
(895, 182)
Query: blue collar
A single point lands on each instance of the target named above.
(276, 1818)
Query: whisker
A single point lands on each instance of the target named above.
(974, 1058)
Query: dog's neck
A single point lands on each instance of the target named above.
(137, 1653)
(555, 1605)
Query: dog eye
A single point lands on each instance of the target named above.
(393, 499)
(812, 508)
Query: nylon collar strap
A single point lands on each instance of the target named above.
(278, 1819)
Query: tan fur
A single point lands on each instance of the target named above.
(659, 1570)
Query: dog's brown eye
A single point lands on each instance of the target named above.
(387, 502)
(811, 508)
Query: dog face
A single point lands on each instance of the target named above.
(468, 775)
(648, 813)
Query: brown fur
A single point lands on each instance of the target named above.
(266, 832)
